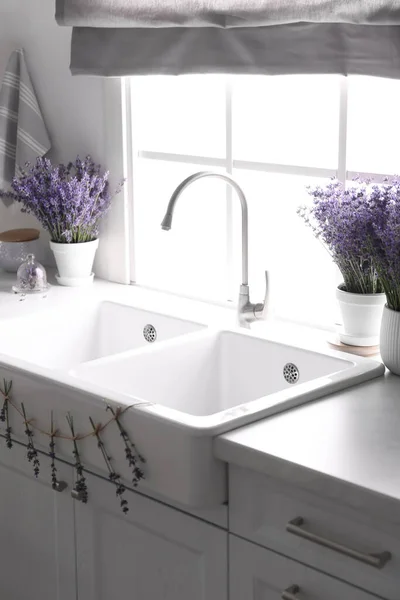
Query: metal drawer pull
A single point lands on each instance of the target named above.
(60, 486)
(378, 560)
(291, 593)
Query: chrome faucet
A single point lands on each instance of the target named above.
(247, 312)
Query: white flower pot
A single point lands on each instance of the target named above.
(390, 339)
(362, 316)
(74, 262)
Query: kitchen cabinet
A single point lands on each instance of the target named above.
(150, 553)
(37, 545)
(260, 574)
(327, 535)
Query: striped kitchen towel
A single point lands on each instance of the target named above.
(23, 133)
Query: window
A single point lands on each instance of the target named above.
(275, 136)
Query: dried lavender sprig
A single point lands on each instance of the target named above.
(112, 475)
(52, 453)
(7, 386)
(80, 483)
(131, 453)
(3, 410)
(6, 390)
(6, 417)
(31, 452)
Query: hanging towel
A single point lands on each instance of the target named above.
(23, 133)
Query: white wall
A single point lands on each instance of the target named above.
(73, 108)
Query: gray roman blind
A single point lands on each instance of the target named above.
(128, 37)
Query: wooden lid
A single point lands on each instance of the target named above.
(19, 235)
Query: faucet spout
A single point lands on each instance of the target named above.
(167, 221)
(247, 311)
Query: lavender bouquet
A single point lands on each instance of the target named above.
(384, 239)
(343, 219)
(69, 201)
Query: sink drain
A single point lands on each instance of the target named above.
(291, 373)
(150, 333)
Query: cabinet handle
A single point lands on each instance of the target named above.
(60, 486)
(377, 560)
(291, 593)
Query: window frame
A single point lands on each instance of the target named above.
(133, 154)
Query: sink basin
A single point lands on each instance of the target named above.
(86, 332)
(219, 380)
(180, 392)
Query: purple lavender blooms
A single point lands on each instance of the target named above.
(385, 238)
(69, 201)
(344, 221)
(360, 227)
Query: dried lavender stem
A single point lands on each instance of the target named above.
(131, 453)
(52, 444)
(80, 484)
(31, 452)
(114, 477)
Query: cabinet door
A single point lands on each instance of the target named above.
(37, 553)
(259, 574)
(261, 508)
(152, 553)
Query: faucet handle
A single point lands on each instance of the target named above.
(261, 309)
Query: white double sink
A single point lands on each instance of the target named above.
(190, 383)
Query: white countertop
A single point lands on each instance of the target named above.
(351, 438)
(11, 305)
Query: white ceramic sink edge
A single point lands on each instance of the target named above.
(165, 435)
(344, 372)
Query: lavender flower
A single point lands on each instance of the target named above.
(385, 239)
(344, 221)
(69, 201)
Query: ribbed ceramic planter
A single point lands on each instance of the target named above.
(361, 316)
(390, 339)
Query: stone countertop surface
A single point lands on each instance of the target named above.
(346, 445)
